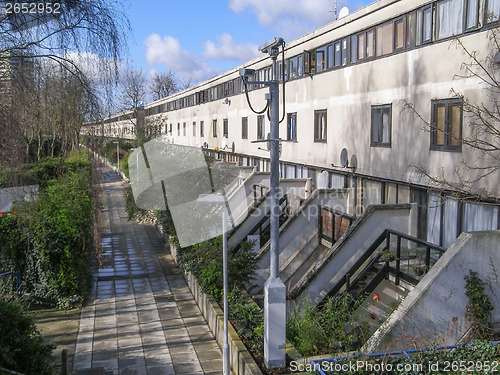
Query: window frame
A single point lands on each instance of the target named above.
(225, 128)
(317, 115)
(194, 128)
(261, 126)
(377, 111)
(214, 128)
(244, 128)
(291, 132)
(447, 104)
(202, 129)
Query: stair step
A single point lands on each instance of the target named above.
(306, 266)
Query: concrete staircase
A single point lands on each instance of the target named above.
(379, 304)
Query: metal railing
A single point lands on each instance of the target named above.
(333, 224)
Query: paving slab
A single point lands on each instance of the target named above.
(142, 319)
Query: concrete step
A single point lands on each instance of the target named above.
(306, 266)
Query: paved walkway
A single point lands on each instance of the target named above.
(143, 319)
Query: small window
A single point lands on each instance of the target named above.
(370, 44)
(446, 125)
(291, 129)
(384, 39)
(225, 128)
(338, 54)
(344, 51)
(361, 46)
(330, 56)
(381, 125)
(194, 129)
(321, 59)
(472, 14)
(179, 129)
(411, 30)
(260, 127)
(300, 65)
(424, 25)
(184, 129)
(214, 128)
(244, 128)
(354, 48)
(202, 129)
(320, 126)
(399, 40)
(492, 10)
(170, 129)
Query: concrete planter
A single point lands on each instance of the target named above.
(241, 361)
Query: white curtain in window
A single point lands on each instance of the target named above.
(450, 216)
(372, 193)
(478, 217)
(336, 181)
(493, 10)
(289, 171)
(434, 218)
(450, 16)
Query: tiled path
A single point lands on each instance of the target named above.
(143, 320)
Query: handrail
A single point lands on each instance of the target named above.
(358, 263)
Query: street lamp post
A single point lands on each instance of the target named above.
(117, 156)
(274, 288)
(216, 198)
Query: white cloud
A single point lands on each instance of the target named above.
(167, 51)
(226, 49)
(290, 18)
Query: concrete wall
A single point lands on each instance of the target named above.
(350, 247)
(19, 194)
(434, 312)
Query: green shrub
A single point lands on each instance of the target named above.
(329, 329)
(13, 245)
(479, 307)
(22, 348)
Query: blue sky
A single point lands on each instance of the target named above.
(198, 39)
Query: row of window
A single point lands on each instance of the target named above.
(433, 22)
(446, 126)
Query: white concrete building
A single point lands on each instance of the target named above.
(347, 86)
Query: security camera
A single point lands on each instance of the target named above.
(247, 73)
(271, 44)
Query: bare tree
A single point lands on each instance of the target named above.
(483, 121)
(134, 88)
(29, 41)
(163, 85)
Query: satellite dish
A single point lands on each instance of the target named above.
(344, 158)
(354, 162)
(232, 148)
(344, 12)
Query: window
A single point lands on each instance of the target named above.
(291, 128)
(384, 39)
(370, 44)
(381, 125)
(260, 127)
(194, 129)
(214, 128)
(446, 125)
(338, 54)
(472, 14)
(424, 25)
(184, 129)
(202, 129)
(330, 56)
(321, 59)
(450, 17)
(178, 128)
(411, 30)
(399, 40)
(354, 48)
(225, 128)
(344, 51)
(244, 128)
(170, 129)
(361, 46)
(492, 10)
(320, 126)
